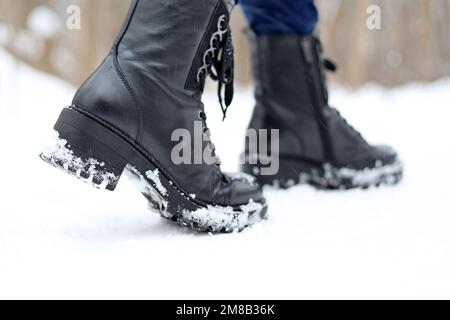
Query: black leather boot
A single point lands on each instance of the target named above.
(317, 146)
(149, 86)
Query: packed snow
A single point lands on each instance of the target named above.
(56, 151)
(367, 176)
(143, 186)
(154, 176)
(217, 218)
(60, 238)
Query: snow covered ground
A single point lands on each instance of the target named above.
(59, 238)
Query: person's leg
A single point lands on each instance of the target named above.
(280, 16)
(316, 145)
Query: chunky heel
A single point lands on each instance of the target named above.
(80, 147)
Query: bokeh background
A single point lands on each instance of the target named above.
(413, 44)
(61, 239)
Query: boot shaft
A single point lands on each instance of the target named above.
(168, 38)
(289, 66)
(286, 92)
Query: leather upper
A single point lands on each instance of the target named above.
(291, 95)
(144, 88)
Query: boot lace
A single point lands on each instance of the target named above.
(218, 62)
(207, 135)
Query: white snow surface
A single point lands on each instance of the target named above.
(60, 238)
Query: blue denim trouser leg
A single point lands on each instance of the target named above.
(280, 16)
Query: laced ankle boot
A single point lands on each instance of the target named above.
(128, 115)
(317, 145)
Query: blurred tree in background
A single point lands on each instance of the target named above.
(37, 32)
(413, 43)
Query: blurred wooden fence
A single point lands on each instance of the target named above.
(413, 43)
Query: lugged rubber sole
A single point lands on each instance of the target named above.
(328, 177)
(97, 153)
